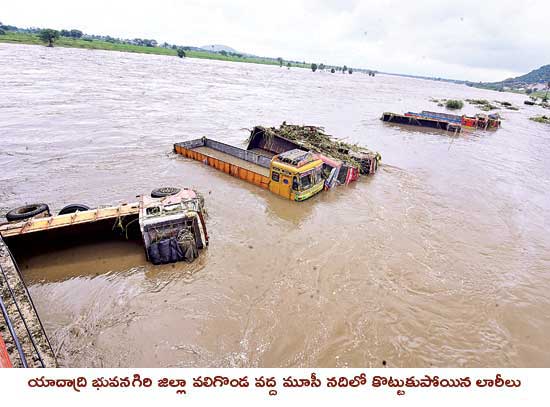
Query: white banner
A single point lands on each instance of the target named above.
(354, 387)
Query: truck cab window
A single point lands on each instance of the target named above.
(306, 182)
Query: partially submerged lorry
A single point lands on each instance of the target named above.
(295, 162)
(170, 223)
(294, 174)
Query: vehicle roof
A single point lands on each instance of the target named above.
(296, 160)
(293, 169)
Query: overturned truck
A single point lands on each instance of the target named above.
(170, 223)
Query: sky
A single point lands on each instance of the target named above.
(481, 40)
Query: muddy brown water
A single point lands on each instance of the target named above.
(441, 259)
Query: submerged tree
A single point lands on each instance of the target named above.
(344, 69)
(288, 65)
(181, 52)
(350, 71)
(454, 104)
(332, 70)
(313, 67)
(48, 35)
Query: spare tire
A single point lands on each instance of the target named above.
(164, 191)
(72, 208)
(27, 211)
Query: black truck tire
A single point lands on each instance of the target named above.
(164, 191)
(72, 208)
(26, 212)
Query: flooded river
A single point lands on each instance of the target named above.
(441, 259)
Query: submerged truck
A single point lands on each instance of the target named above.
(170, 222)
(295, 162)
(293, 174)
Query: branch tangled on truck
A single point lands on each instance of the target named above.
(314, 138)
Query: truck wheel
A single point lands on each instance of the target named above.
(73, 208)
(27, 211)
(164, 191)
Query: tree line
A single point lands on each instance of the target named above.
(49, 36)
(334, 69)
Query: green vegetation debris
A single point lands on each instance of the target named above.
(541, 119)
(483, 104)
(315, 139)
(454, 104)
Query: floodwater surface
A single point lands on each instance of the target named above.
(440, 259)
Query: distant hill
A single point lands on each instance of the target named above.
(540, 76)
(218, 48)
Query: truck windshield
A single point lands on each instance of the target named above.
(306, 181)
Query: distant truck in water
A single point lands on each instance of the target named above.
(444, 121)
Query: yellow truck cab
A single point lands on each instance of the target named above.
(296, 175)
(293, 174)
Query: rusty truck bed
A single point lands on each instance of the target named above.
(40, 224)
(240, 163)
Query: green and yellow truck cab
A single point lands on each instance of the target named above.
(296, 175)
(293, 174)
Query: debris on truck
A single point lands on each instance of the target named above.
(274, 140)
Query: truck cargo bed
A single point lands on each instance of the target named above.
(243, 164)
(220, 155)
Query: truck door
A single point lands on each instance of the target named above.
(286, 184)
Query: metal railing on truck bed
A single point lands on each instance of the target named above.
(246, 165)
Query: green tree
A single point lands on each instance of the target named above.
(76, 33)
(313, 67)
(48, 35)
(181, 53)
(322, 66)
(344, 69)
(288, 65)
(280, 61)
(223, 52)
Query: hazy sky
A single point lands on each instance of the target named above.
(475, 40)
